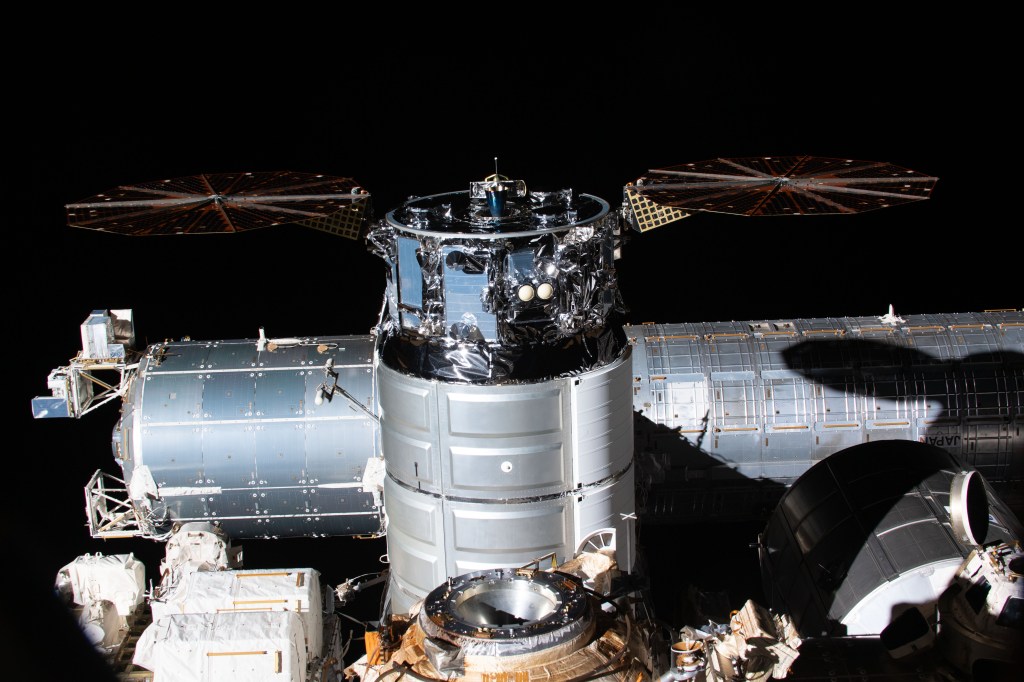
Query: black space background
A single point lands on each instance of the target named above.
(416, 104)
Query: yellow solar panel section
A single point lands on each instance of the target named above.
(650, 215)
(346, 222)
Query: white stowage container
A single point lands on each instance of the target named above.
(213, 647)
(118, 578)
(293, 590)
(97, 332)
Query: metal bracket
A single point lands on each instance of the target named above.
(330, 386)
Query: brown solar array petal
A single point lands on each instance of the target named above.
(217, 202)
(784, 185)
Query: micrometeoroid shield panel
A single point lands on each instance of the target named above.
(496, 476)
(233, 434)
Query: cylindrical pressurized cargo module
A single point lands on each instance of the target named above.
(488, 476)
(264, 437)
(505, 384)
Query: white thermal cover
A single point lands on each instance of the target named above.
(118, 578)
(294, 590)
(212, 647)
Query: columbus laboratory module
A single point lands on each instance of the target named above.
(506, 431)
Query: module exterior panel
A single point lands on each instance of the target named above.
(733, 412)
(524, 471)
(801, 390)
(230, 432)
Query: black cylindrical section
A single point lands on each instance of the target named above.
(865, 534)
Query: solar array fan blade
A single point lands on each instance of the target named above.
(217, 202)
(783, 185)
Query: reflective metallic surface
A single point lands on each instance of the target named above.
(523, 623)
(229, 433)
(968, 508)
(506, 604)
(491, 476)
(765, 400)
(526, 294)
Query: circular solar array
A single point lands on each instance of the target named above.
(215, 203)
(784, 185)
